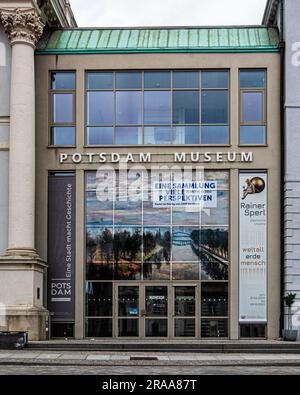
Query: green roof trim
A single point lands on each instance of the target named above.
(159, 40)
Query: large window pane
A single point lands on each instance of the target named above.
(63, 107)
(100, 81)
(185, 135)
(252, 79)
(214, 299)
(185, 79)
(129, 80)
(157, 245)
(214, 328)
(156, 301)
(214, 107)
(128, 135)
(156, 328)
(185, 107)
(99, 253)
(128, 301)
(185, 244)
(185, 303)
(98, 299)
(98, 213)
(100, 108)
(252, 135)
(156, 271)
(214, 134)
(63, 81)
(184, 327)
(129, 108)
(214, 79)
(63, 136)
(128, 327)
(157, 107)
(185, 271)
(100, 135)
(98, 327)
(157, 135)
(157, 79)
(127, 245)
(252, 106)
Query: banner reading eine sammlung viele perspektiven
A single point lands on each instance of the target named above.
(253, 247)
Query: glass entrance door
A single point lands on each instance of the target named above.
(151, 311)
(184, 311)
(128, 311)
(156, 311)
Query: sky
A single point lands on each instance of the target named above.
(114, 13)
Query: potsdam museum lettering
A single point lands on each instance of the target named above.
(182, 157)
(143, 187)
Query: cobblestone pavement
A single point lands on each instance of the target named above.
(149, 370)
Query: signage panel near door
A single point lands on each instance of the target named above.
(253, 247)
(61, 247)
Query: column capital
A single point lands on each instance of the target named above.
(22, 25)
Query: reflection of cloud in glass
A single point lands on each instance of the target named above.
(218, 215)
(156, 216)
(98, 213)
(128, 213)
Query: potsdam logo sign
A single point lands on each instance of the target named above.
(147, 157)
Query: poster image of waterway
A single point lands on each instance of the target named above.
(157, 244)
(98, 213)
(213, 253)
(185, 244)
(100, 253)
(218, 215)
(185, 271)
(128, 271)
(156, 271)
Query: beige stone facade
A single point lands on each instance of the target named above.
(264, 158)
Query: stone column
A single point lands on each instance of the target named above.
(24, 28)
(21, 270)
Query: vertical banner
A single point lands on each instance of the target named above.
(61, 247)
(253, 247)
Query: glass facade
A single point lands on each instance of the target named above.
(252, 107)
(62, 100)
(130, 241)
(157, 107)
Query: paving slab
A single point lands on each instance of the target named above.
(120, 357)
(73, 356)
(48, 356)
(5, 355)
(183, 358)
(24, 355)
(98, 357)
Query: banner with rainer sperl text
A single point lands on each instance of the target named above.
(253, 247)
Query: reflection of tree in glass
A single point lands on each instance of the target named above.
(213, 252)
(213, 240)
(157, 246)
(99, 255)
(127, 245)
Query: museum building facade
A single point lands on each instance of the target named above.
(158, 157)
(145, 197)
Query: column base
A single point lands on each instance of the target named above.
(20, 318)
(22, 251)
(21, 295)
